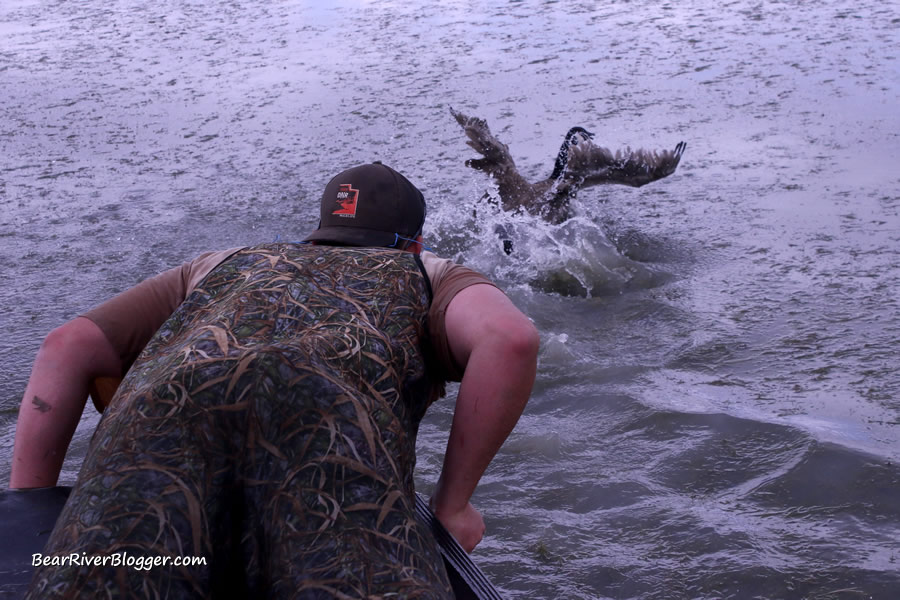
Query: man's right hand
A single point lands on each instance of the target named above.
(466, 525)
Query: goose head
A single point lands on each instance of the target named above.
(575, 136)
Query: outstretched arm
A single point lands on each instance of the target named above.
(54, 399)
(78, 352)
(498, 347)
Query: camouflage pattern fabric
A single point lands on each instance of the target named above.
(269, 426)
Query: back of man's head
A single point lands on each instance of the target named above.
(370, 205)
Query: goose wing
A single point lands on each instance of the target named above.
(496, 154)
(592, 165)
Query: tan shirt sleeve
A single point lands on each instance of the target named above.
(447, 280)
(130, 319)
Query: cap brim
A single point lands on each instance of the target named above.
(353, 236)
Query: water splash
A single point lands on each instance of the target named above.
(579, 257)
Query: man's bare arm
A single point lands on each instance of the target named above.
(54, 399)
(498, 347)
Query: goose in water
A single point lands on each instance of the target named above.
(579, 164)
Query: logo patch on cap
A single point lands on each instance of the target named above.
(346, 198)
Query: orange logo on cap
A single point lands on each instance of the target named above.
(346, 198)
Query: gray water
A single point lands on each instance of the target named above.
(716, 411)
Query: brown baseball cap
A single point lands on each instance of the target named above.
(370, 205)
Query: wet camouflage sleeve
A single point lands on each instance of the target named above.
(270, 427)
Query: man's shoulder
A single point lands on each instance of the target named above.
(198, 268)
(449, 277)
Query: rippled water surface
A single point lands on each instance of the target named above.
(716, 412)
